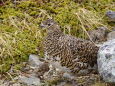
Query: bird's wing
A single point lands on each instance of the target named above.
(67, 57)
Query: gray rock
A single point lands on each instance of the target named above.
(106, 61)
(111, 35)
(99, 34)
(34, 61)
(29, 81)
(111, 15)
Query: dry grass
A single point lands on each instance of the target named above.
(100, 84)
(24, 37)
(89, 20)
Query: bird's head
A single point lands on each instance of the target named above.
(48, 23)
(51, 26)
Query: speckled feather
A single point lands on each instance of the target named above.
(74, 53)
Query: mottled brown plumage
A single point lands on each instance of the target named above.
(74, 53)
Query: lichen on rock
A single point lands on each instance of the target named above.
(106, 61)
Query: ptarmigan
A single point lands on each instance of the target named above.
(73, 53)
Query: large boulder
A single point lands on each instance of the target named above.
(106, 61)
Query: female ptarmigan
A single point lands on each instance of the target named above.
(73, 53)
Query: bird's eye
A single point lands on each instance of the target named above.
(49, 24)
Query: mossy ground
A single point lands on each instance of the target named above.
(20, 34)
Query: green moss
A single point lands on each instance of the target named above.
(18, 43)
(20, 34)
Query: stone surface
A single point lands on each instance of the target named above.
(98, 35)
(34, 61)
(106, 61)
(111, 15)
(16, 84)
(29, 81)
(4, 82)
(111, 35)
